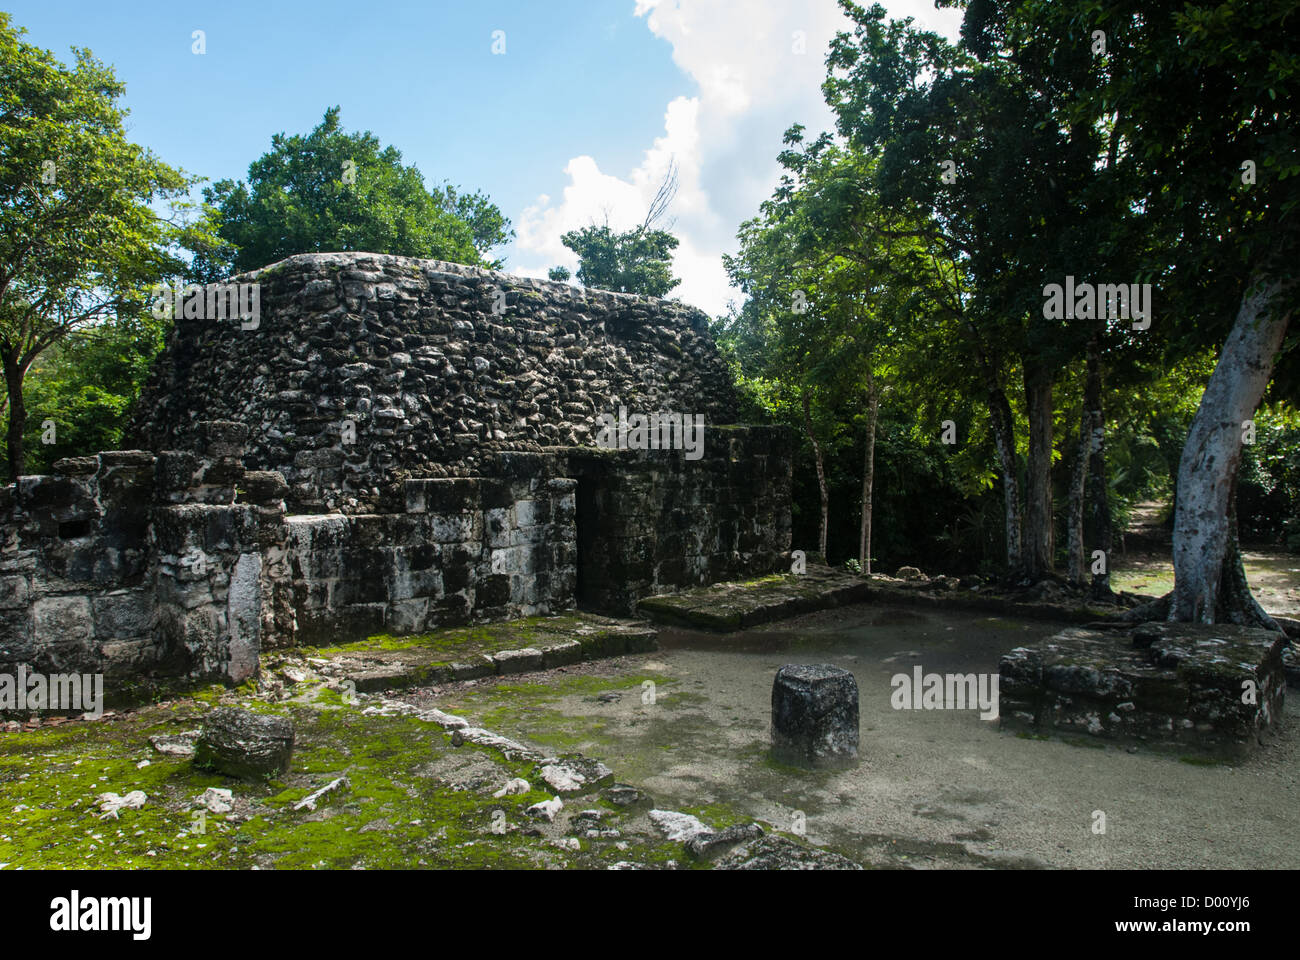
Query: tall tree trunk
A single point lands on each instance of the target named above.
(1004, 440)
(1236, 603)
(1075, 564)
(1208, 469)
(868, 474)
(13, 373)
(1038, 502)
(1096, 520)
(821, 473)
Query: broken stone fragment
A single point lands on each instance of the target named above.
(245, 745)
(815, 716)
(622, 795)
(110, 803)
(677, 826)
(175, 745)
(309, 802)
(545, 809)
(571, 774)
(513, 788)
(704, 845)
(771, 852)
(214, 800)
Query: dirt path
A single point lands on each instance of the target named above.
(1143, 564)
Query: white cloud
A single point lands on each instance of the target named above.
(753, 84)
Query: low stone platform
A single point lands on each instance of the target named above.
(1208, 688)
(468, 653)
(747, 603)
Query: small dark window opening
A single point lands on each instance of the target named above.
(72, 529)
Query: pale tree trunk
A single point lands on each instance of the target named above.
(1038, 506)
(868, 474)
(821, 473)
(1096, 523)
(1208, 469)
(1075, 564)
(1005, 441)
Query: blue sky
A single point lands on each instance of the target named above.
(577, 120)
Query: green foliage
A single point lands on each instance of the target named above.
(638, 261)
(559, 274)
(79, 237)
(336, 191)
(86, 385)
(1268, 484)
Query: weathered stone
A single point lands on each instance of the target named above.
(705, 845)
(678, 826)
(245, 745)
(517, 661)
(1216, 688)
(815, 716)
(575, 774)
(771, 852)
(622, 795)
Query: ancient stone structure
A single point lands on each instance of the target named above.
(364, 370)
(1174, 685)
(815, 715)
(389, 446)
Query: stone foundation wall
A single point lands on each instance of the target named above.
(186, 564)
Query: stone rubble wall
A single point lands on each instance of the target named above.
(433, 365)
(185, 564)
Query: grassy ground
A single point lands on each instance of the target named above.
(1143, 564)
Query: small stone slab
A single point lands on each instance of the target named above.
(518, 661)
(815, 716)
(562, 654)
(249, 746)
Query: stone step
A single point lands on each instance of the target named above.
(501, 649)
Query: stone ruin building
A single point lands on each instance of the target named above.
(389, 446)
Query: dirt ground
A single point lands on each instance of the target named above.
(935, 789)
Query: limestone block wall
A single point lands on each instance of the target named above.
(467, 549)
(75, 585)
(652, 521)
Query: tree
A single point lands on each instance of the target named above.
(333, 191)
(637, 261)
(1203, 96)
(970, 144)
(78, 238)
